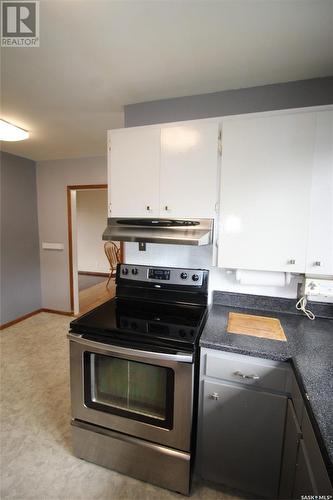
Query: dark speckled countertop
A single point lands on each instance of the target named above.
(309, 348)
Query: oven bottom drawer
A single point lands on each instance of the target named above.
(141, 459)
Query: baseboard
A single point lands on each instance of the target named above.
(55, 311)
(90, 273)
(20, 318)
(33, 313)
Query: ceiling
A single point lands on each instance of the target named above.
(96, 56)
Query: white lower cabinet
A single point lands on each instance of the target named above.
(303, 471)
(292, 439)
(256, 435)
(310, 473)
(304, 482)
(242, 437)
(241, 425)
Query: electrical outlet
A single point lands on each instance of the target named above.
(322, 288)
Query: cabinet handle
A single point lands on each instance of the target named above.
(317, 263)
(243, 375)
(148, 208)
(292, 261)
(215, 396)
(166, 207)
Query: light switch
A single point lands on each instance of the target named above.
(52, 246)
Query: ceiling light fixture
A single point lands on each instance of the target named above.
(9, 132)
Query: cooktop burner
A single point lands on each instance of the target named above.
(125, 319)
(171, 314)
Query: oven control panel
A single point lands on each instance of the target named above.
(154, 274)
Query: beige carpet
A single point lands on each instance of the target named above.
(36, 458)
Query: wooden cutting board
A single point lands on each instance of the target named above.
(257, 326)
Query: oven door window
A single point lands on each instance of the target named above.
(139, 391)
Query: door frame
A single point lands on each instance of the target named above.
(71, 221)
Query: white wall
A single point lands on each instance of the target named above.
(91, 219)
(53, 177)
(201, 257)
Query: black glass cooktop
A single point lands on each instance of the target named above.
(127, 321)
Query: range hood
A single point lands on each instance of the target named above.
(167, 231)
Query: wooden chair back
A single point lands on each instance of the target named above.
(112, 252)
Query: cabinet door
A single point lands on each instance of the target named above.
(322, 480)
(304, 479)
(320, 244)
(133, 172)
(242, 435)
(265, 190)
(189, 164)
(292, 438)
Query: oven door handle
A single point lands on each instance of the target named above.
(181, 357)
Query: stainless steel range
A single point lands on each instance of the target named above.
(134, 369)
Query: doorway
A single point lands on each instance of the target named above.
(88, 264)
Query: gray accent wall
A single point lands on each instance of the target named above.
(314, 92)
(53, 177)
(20, 270)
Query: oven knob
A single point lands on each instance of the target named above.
(183, 276)
(134, 271)
(182, 333)
(195, 277)
(124, 271)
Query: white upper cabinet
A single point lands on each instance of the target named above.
(133, 172)
(189, 165)
(164, 172)
(265, 191)
(320, 244)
